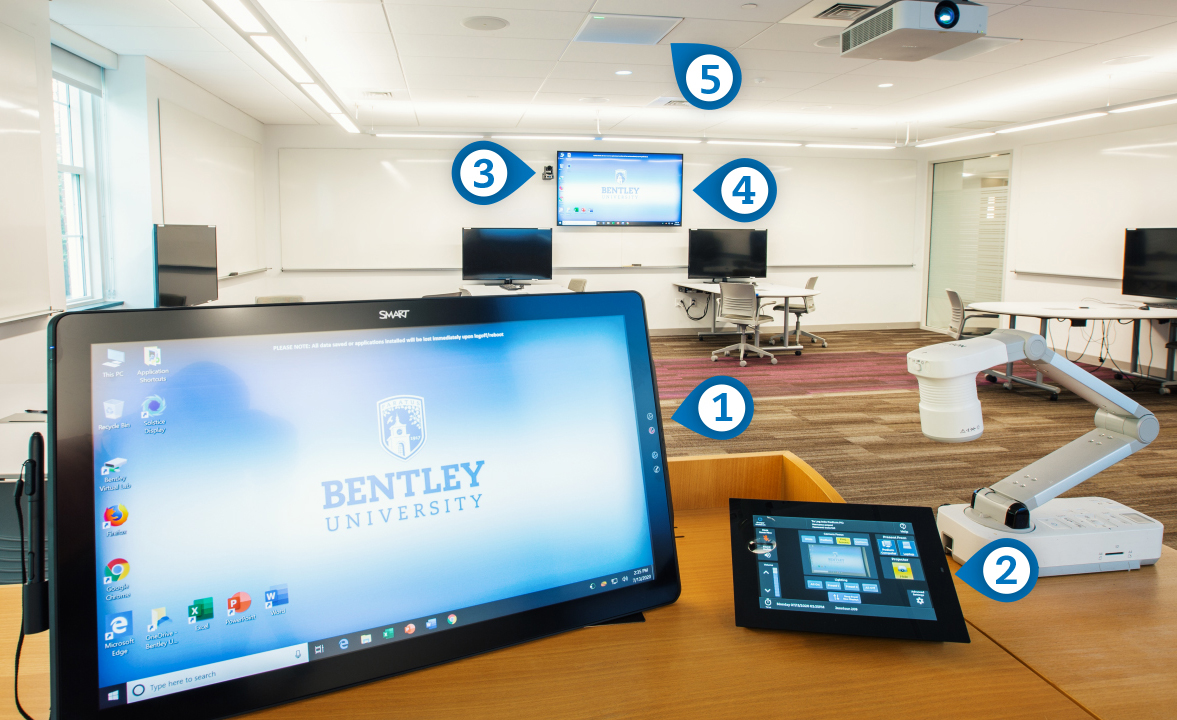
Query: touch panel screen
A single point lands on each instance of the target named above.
(264, 501)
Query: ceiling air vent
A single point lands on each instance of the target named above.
(843, 11)
(869, 30)
(668, 102)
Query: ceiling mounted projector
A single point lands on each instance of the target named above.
(911, 30)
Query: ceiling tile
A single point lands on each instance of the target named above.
(137, 40)
(127, 13)
(1081, 26)
(250, 94)
(751, 59)
(1026, 52)
(608, 88)
(607, 71)
(782, 79)
(765, 10)
(724, 33)
(487, 7)
(446, 20)
(480, 67)
(470, 84)
(616, 53)
(480, 47)
(797, 38)
(298, 17)
(818, 96)
(958, 71)
(564, 98)
(1138, 7)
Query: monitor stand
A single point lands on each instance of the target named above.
(508, 285)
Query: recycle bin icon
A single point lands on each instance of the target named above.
(113, 409)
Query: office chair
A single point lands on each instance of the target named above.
(960, 317)
(805, 308)
(276, 299)
(577, 284)
(738, 305)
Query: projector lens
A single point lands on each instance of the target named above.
(947, 14)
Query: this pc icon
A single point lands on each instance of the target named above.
(152, 356)
(113, 409)
(113, 466)
(114, 358)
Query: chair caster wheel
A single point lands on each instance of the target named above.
(727, 354)
(825, 344)
(743, 363)
(1118, 376)
(1164, 391)
(1054, 396)
(714, 359)
(772, 342)
(796, 352)
(990, 378)
(772, 360)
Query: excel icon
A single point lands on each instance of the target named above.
(200, 610)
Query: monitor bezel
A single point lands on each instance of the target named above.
(949, 625)
(620, 224)
(71, 507)
(503, 276)
(694, 274)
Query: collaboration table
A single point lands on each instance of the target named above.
(763, 290)
(1078, 647)
(1083, 311)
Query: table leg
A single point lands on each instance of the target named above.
(796, 347)
(1136, 345)
(1008, 378)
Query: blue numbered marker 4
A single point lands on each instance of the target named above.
(743, 190)
(1005, 570)
(485, 172)
(719, 408)
(708, 76)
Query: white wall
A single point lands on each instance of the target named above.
(817, 218)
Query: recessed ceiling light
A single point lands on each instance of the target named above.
(758, 80)
(1127, 60)
(749, 6)
(594, 100)
(624, 72)
(829, 42)
(886, 85)
(484, 22)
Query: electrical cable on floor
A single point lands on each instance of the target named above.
(24, 578)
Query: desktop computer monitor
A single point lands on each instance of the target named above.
(185, 265)
(507, 254)
(1150, 262)
(736, 253)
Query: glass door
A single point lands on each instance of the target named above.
(967, 244)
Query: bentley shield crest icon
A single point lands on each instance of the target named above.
(402, 424)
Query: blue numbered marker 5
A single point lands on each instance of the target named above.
(1005, 570)
(485, 172)
(708, 76)
(743, 190)
(719, 408)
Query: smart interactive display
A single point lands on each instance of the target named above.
(618, 188)
(852, 569)
(281, 500)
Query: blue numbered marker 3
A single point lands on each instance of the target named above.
(743, 190)
(485, 172)
(719, 408)
(708, 76)
(1005, 570)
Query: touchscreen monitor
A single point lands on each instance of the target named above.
(618, 188)
(852, 569)
(254, 504)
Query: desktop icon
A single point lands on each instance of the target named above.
(118, 624)
(238, 603)
(153, 406)
(343, 644)
(451, 618)
(200, 610)
(902, 570)
(389, 633)
(277, 595)
(319, 649)
(431, 624)
(112, 409)
(365, 639)
(114, 358)
(152, 356)
(159, 616)
(410, 629)
(113, 466)
(112, 696)
(114, 516)
(115, 571)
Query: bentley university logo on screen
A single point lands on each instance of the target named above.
(392, 496)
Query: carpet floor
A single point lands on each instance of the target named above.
(852, 412)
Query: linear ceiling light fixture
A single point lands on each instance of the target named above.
(570, 138)
(955, 139)
(1056, 121)
(240, 15)
(661, 140)
(753, 142)
(345, 122)
(282, 58)
(850, 147)
(433, 136)
(320, 96)
(1155, 102)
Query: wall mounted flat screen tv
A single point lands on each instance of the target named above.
(1150, 262)
(618, 188)
(727, 253)
(506, 253)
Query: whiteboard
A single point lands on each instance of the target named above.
(25, 286)
(213, 176)
(397, 208)
(1069, 218)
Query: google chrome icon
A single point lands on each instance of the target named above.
(116, 570)
(115, 515)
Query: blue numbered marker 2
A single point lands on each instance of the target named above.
(485, 172)
(743, 190)
(719, 408)
(1004, 570)
(708, 76)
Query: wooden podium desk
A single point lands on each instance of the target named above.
(689, 660)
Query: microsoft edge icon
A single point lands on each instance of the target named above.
(708, 77)
(743, 190)
(485, 172)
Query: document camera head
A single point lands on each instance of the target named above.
(947, 374)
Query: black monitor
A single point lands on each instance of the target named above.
(1150, 262)
(185, 265)
(507, 254)
(736, 253)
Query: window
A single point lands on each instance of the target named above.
(77, 117)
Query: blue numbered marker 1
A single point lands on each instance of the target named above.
(1004, 570)
(743, 190)
(485, 172)
(708, 76)
(719, 408)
